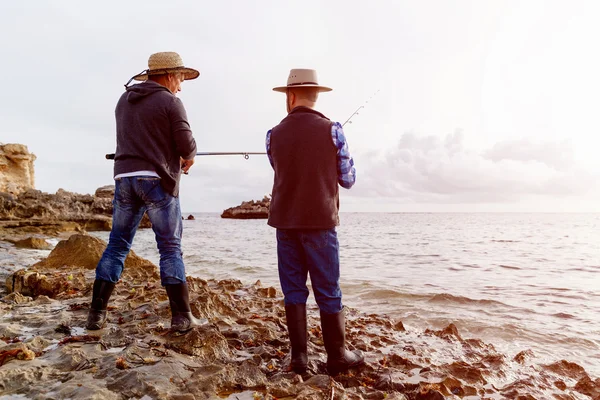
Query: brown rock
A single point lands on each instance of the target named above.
(33, 243)
(205, 342)
(588, 387)
(31, 283)
(105, 192)
(17, 298)
(37, 226)
(249, 210)
(191, 217)
(568, 369)
(523, 356)
(399, 326)
(450, 332)
(467, 372)
(16, 168)
(560, 385)
(84, 251)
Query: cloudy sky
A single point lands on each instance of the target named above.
(481, 105)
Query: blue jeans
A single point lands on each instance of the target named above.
(134, 196)
(316, 252)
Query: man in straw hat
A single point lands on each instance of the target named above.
(310, 157)
(154, 145)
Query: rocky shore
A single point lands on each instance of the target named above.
(25, 211)
(242, 353)
(254, 209)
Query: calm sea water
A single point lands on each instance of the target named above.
(518, 281)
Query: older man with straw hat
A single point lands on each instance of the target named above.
(310, 157)
(154, 145)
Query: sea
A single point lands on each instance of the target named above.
(517, 281)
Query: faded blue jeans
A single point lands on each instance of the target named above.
(133, 196)
(310, 251)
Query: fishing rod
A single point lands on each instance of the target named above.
(247, 154)
(359, 108)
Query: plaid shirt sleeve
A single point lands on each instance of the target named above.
(268, 145)
(345, 164)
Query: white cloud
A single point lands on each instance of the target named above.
(441, 170)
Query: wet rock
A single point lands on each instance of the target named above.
(15, 351)
(399, 326)
(561, 385)
(320, 381)
(33, 243)
(588, 387)
(450, 333)
(138, 383)
(465, 371)
(568, 369)
(72, 359)
(32, 283)
(249, 210)
(205, 342)
(397, 361)
(37, 344)
(523, 356)
(429, 394)
(190, 217)
(17, 298)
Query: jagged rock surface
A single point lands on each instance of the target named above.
(258, 209)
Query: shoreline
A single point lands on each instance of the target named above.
(244, 349)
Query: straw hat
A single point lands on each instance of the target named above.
(302, 78)
(165, 62)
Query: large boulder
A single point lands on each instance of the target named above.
(83, 251)
(64, 271)
(16, 168)
(258, 209)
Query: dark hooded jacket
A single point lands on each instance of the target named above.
(153, 133)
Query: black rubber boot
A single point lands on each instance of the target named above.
(100, 296)
(295, 315)
(334, 336)
(182, 319)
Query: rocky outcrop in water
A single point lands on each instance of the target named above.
(16, 168)
(34, 211)
(258, 209)
(243, 352)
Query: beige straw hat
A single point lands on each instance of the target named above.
(302, 78)
(165, 62)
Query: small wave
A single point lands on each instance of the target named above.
(504, 241)
(509, 267)
(449, 298)
(564, 315)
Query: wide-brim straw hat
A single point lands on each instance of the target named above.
(300, 77)
(164, 63)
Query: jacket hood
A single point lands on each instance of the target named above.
(137, 92)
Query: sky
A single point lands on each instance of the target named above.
(467, 105)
